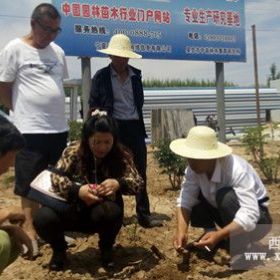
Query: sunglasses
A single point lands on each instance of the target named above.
(48, 29)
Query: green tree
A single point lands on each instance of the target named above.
(254, 141)
(150, 83)
(170, 164)
(274, 75)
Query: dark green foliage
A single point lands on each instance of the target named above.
(177, 83)
(171, 164)
(254, 142)
(274, 74)
(75, 129)
(8, 180)
(68, 89)
(181, 83)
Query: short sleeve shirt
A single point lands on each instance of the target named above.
(38, 98)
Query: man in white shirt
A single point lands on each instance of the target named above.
(32, 69)
(218, 189)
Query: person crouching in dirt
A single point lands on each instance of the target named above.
(12, 237)
(222, 189)
(94, 173)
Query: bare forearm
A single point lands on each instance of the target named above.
(181, 237)
(182, 220)
(211, 238)
(232, 228)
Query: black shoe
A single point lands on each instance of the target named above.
(149, 222)
(57, 261)
(107, 258)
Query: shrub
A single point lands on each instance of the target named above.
(171, 164)
(8, 179)
(75, 129)
(254, 141)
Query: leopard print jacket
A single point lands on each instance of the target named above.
(70, 174)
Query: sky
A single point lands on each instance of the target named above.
(264, 14)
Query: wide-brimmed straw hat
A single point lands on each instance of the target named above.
(201, 143)
(120, 45)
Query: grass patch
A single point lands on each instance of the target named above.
(7, 179)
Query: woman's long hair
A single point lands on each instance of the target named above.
(115, 161)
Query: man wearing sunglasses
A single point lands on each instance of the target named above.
(32, 69)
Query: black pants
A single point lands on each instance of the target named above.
(206, 216)
(131, 135)
(105, 219)
(40, 151)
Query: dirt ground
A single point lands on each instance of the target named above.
(139, 253)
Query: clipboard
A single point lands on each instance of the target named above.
(41, 191)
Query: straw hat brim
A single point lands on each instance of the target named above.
(179, 147)
(121, 53)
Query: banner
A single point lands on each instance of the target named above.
(159, 29)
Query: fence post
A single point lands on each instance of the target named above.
(73, 103)
(86, 84)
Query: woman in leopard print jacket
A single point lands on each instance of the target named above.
(93, 173)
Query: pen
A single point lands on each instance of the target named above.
(95, 170)
(190, 246)
(92, 187)
(207, 248)
(87, 181)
